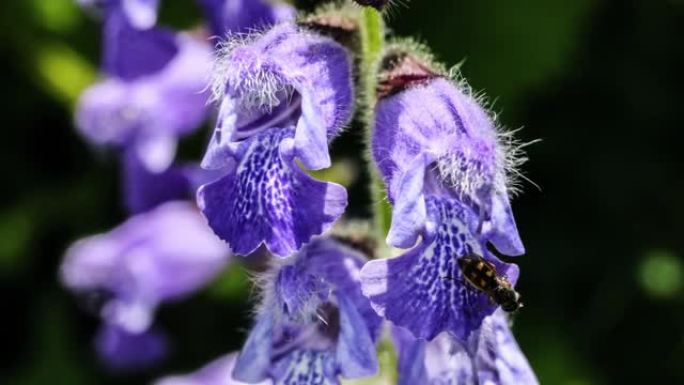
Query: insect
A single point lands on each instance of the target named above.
(482, 276)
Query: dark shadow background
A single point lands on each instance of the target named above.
(598, 80)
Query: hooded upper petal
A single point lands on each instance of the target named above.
(286, 76)
(435, 139)
(266, 198)
(151, 258)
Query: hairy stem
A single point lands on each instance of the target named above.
(372, 38)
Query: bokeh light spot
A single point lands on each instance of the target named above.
(64, 72)
(660, 274)
(57, 15)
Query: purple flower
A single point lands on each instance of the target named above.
(242, 16)
(490, 357)
(424, 289)
(142, 14)
(121, 350)
(284, 95)
(147, 111)
(217, 372)
(152, 258)
(445, 167)
(446, 147)
(313, 324)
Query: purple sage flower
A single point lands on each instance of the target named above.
(217, 372)
(490, 357)
(155, 257)
(445, 147)
(446, 172)
(313, 324)
(147, 108)
(243, 16)
(284, 95)
(424, 289)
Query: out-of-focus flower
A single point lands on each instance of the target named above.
(242, 16)
(217, 372)
(284, 95)
(152, 258)
(313, 324)
(149, 112)
(445, 167)
(490, 357)
(142, 14)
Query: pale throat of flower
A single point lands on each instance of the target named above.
(282, 110)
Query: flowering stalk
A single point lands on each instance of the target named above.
(372, 31)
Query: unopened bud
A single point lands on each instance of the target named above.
(401, 69)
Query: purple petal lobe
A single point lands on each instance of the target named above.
(121, 350)
(217, 372)
(355, 351)
(156, 152)
(411, 355)
(241, 16)
(254, 361)
(267, 199)
(409, 213)
(142, 13)
(130, 52)
(424, 290)
(498, 358)
(311, 142)
(306, 367)
(442, 361)
(501, 230)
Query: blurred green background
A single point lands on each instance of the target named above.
(597, 80)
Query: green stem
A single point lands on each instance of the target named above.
(372, 38)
